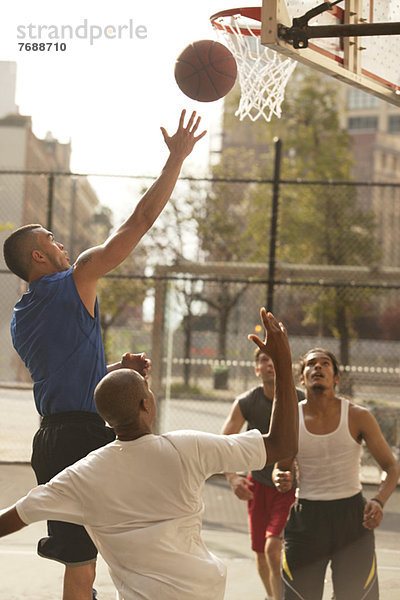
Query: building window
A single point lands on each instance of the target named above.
(394, 124)
(364, 123)
(359, 99)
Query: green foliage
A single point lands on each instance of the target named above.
(319, 149)
(326, 225)
(329, 227)
(120, 296)
(222, 225)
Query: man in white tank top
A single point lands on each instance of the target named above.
(331, 521)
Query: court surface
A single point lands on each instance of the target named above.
(26, 576)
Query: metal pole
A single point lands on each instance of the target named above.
(299, 35)
(157, 345)
(50, 202)
(274, 225)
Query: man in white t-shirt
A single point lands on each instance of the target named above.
(140, 497)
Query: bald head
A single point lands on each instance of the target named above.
(120, 397)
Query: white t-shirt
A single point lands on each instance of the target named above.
(141, 503)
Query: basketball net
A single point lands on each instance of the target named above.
(263, 73)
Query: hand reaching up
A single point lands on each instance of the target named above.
(183, 141)
(276, 343)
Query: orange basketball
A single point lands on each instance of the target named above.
(205, 71)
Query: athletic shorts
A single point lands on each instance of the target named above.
(61, 440)
(268, 512)
(319, 532)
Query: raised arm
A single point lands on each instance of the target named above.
(96, 262)
(282, 439)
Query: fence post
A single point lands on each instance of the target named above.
(157, 346)
(50, 202)
(274, 225)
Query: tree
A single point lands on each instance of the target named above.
(333, 227)
(225, 234)
(173, 240)
(318, 224)
(119, 293)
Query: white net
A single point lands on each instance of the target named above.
(263, 73)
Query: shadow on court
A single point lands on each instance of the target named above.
(26, 576)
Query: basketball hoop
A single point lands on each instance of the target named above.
(263, 73)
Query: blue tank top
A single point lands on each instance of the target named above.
(60, 343)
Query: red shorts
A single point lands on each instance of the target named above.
(268, 513)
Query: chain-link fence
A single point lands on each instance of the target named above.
(337, 287)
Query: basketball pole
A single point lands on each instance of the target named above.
(50, 202)
(274, 225)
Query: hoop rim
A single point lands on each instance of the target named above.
(254, 12)
(250, 12)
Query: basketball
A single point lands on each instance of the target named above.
(205, 71)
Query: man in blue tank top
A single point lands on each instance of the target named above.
(331, 521)
(55, 329)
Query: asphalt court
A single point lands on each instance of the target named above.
(26, 576)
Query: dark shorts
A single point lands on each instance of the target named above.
(61, 440)
(268, 513)
(319, 532)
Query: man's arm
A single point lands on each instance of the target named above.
(96, 262)
(10, 521)
(234, 424)
(380, 450)
(282, 439)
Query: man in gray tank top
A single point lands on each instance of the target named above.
(267, 508)
(331, 521)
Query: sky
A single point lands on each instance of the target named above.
(110, 96)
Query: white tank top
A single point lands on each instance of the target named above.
(328, 465)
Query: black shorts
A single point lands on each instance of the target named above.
(319, 532)
(61, 440)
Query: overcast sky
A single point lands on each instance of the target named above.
(109, 96)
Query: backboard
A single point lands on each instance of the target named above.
(371, 63)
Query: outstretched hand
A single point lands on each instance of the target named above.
(276, 344)
(183, 141)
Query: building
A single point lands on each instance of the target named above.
(8, 79)
(374, 126)
(35, 187)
